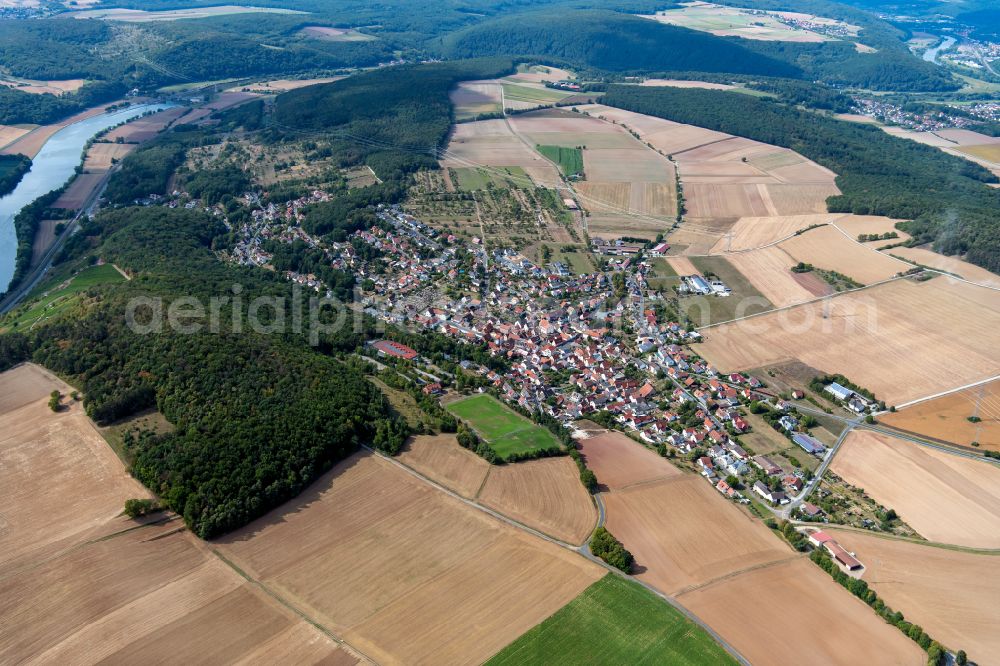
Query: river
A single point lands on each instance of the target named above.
(52, 167)
(930, 55)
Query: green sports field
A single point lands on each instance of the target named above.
(614, 621)
(504, 430)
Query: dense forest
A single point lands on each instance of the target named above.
(619, 42)
(612, 41)
(946, 197)
(12, 169)
(257, 417)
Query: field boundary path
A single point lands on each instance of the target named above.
(290, 606)
(583, 550)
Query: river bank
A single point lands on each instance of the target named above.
(54, 163)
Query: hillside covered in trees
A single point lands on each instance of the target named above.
(612, 41)
(946, 197)
(618, 42)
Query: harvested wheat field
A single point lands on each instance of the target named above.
(45, 459)
(736, 200)
(753, 232)
(769, 271)
(944, 497)
(491, 143)
(604, 197)
(102, 156)
(777, 614)
(11, 133)
(76, 195)
(403, 571)
(963, 269)
(57, 88)
(952, 595)
(947, 418)
(683, 266)
(683, 533)
(32, 142)
(144, 129)
(830, 249)
(441, 459)
(335, 34)
(149, 595)
(894, 323)
(666, 136)
(620, 462)
(544, 494)
(854, 225)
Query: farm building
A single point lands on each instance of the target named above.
(569, 203)
(841, 555)
(809, 444)
(698, 284)
(818, 538)
(660, 250)
(839, 392)
(767, 465)
(390, 348)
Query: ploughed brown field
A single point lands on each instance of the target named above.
(404, 572)
(683, 534)
(947, 418)
(919, 339)
(80, 583)
(951, 594)
(544, 494)
(792, 612)
(619, 462)
(942, 496)
(441, 459)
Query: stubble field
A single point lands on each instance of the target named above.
(80, 583)
(404, 572)
(951, 594)
(918, 339)
(544, 494)
(947, 418)
(769, 271)
(944, 497)
(777, 614)
(963, 269)
(683, 534)
(49, 458)
(830, 249)
(441, 459)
